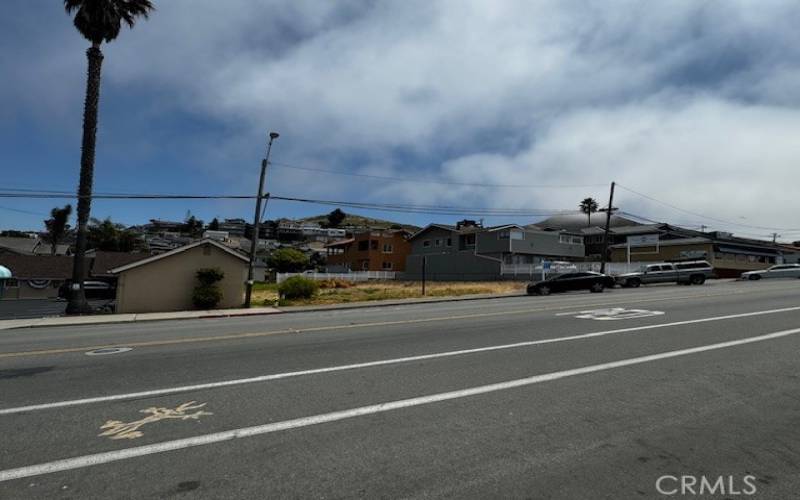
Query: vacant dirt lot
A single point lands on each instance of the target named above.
(267, 293)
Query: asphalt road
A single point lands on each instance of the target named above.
(525, 397)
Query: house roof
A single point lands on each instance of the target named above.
(340, 243)
(50, 267)
(104, 262)
(446, 227)
(20, 245)
(578, 221)
(177, 251)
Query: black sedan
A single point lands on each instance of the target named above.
(594, 282)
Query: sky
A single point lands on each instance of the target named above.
(529, 104)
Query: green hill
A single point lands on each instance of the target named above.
(359, 221)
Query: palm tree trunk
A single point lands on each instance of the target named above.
(77, 298)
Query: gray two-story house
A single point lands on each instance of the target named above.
(469, 252)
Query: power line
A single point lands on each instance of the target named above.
(701, 215)
(433, 181)
(392, 207)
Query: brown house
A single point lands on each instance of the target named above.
(35, 276)
(370, 251)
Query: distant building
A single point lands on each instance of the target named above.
(370, 251)
(468, 251)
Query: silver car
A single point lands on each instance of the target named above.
(778, 271)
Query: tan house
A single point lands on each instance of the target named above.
(165, 282)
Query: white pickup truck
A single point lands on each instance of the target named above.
(693, 272)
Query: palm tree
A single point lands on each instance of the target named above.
(588, 206)
(57, 225)
(97, 21)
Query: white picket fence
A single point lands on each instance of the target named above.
(535, 270)
(354, 276)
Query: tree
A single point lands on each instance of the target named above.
(192, 226)
(107, 236)
(97, 21)
(213, 225)
(588, 206)
(13, 233)
(288, 260)
(336, 217)
(57, 226)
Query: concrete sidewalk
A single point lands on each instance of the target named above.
(227, 313)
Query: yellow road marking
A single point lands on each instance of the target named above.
(116, 429)
(237, 336)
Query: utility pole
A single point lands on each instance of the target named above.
(609, 210)
(775, 238)
(703, 228)
(257, 222)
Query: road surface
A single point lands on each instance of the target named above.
(571, 396)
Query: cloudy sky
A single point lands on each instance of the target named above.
(468, 103)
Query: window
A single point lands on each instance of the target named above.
(365, 265)
(12, 283)
(363, 246)
(56, 283)
(426, 243)
(449, 242)
(517, 235)
(387, 266)
(373, 244)
(503, 235)
(388, 248)
(469, 240)
(437, 242)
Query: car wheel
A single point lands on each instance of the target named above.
(634, 283)
(698, 280)
(597, 288)
(544, 290)
(754, 277)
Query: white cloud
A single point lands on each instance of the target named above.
(695, 103)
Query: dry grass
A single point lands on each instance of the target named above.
(335, 293)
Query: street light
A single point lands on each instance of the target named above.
(257, 222)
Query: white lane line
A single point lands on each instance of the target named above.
(355, 366)
(217, 437)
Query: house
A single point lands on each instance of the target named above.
(165, 282)
(36, 276)
(468, 251)
(369, 251)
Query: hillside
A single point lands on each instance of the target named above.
(359, 221)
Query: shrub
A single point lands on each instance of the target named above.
(298, 287)
(206, 297)
(207, 294)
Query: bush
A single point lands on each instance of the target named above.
(206, 297)
(288, 260)
(298, 287)
(207, 294)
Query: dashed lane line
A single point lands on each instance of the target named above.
(244, 432)
(355, 366)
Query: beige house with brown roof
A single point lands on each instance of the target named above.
(165, 282)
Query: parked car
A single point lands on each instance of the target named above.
(692, 272)
(594, 282)
(778, 271)
(94, 290)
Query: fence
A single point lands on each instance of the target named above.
(535, 270)
(355, 276)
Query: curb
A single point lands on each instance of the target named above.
(408, 302)
(271, 311)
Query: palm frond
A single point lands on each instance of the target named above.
(101, 20)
